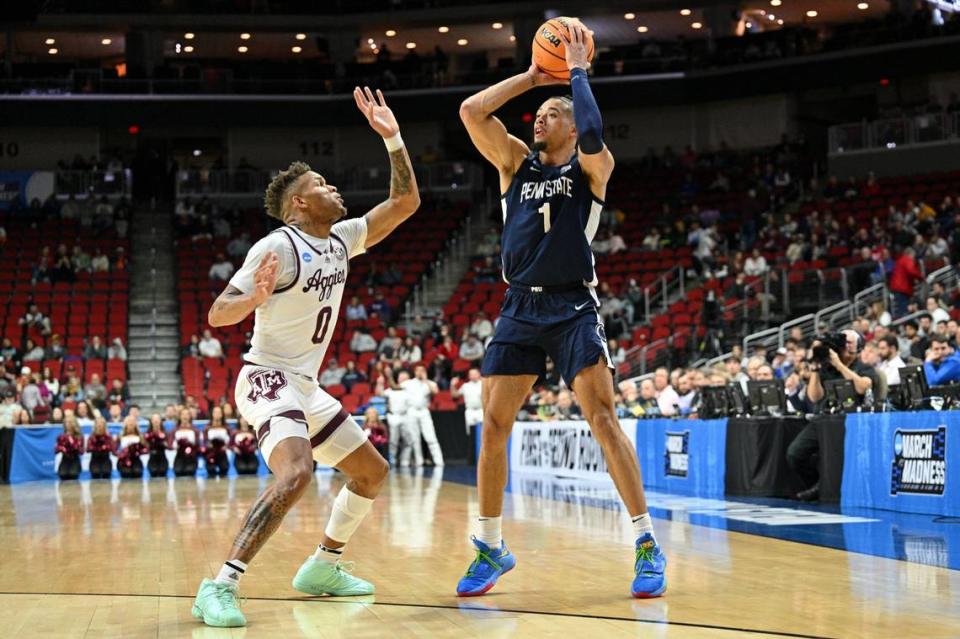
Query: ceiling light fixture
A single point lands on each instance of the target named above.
(106, 41)
(301, 36)
(497, 25)
(296, 49)
(629, 16)
(812, 13)
(780, 21)
(863, 6)
(513, 38)
(642, 29)
(463, 42)
(390, 33)
(444, 29)
(776, 3)
(188, 49)
(244, 36)
(50, 41)
(411, 45)
(188, 36)
(242, 49)
(684, 12)
(696, 25)
(53, 51)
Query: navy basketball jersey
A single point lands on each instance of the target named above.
(550, 216)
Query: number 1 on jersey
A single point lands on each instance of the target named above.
(545, 211)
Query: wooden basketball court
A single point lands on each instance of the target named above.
(124, 558)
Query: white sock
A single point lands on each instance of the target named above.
(642, 524)
(349, 509)
(231, 572)
(329, 555)
(489, 531)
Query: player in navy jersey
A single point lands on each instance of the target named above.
(552, 194)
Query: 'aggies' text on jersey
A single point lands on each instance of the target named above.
(294, 327)
(550, 216)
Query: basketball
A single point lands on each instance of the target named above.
(549, 52)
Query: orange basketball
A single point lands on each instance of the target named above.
(549, 52)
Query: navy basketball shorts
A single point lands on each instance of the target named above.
(532, 326)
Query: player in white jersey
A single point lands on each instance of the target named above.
(396, 413)
(294, 278)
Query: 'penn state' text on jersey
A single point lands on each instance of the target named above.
(550, 217)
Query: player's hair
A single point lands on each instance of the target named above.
(276, 193)
(566, 103)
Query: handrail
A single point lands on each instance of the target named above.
(832, 312)
(809, 318)
(869, 293)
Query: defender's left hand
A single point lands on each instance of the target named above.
(375, 109)
(576, 47)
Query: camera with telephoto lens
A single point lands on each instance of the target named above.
(829, 342)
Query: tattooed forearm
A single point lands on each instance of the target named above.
(263, 520)
(401, 179)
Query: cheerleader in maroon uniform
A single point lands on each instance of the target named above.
(244, 444)
(130, 445)
(376, 430)
(100, 445)
(70, 446)
(216, 438)
(186, 441)
(156, 441)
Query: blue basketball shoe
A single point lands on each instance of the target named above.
(483, 573)
(650, 566)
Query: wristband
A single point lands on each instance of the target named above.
(394, 143)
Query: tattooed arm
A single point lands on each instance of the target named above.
(234, 305)
(404, 196)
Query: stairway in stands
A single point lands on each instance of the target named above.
(154, 349)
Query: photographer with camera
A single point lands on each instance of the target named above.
(834, 356)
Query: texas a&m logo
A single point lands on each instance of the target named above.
(265, 384)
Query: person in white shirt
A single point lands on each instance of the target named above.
(222, 270)
(667, 398)
(481, 326)
(420, 390)
(356, 311)
(890, 360)
(238, 246)
(362, 342)
(755, 265)
(937, 312)
(471, 349)
(410, 352)
(210, 346)
(471, 391)
(332, 374)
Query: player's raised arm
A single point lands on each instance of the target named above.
(487, 132)
(595, 158)
(233, 305)
(404, 195)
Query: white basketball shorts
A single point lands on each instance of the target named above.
(265, 394)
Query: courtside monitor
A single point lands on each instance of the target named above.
(913, 386)
(767, 397)
(714, 402)
(736, 400)
(840, 395)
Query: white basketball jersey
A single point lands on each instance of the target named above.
(293, 328)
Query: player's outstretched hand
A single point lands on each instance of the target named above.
(265, 277)
(576, 46)
(375, 109)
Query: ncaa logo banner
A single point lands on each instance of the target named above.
(677, 456)
(919, 462)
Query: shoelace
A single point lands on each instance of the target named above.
(227, 596)
(645, 554)
(345, 566)
(481, 557)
